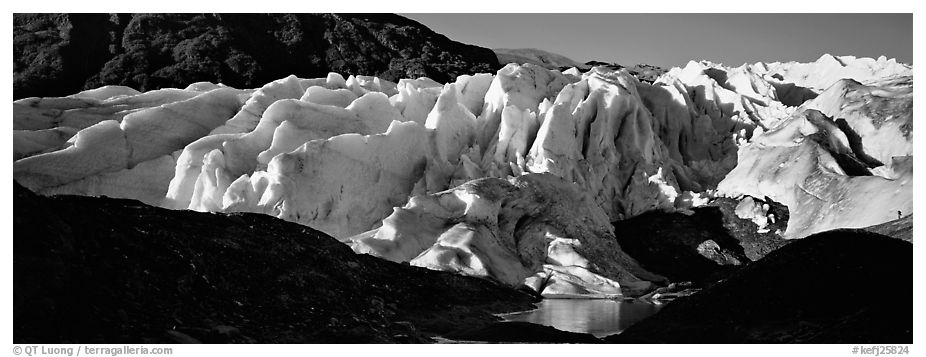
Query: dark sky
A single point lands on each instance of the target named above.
(674, 39)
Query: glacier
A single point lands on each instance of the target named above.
(513, 176)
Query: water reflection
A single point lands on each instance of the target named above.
(598, 317)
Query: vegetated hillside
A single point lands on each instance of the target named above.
(102, 270)
(61, 54)
(840, 286)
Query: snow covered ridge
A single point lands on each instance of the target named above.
(536, 56)
(513, 176)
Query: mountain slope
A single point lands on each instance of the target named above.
(60, 54)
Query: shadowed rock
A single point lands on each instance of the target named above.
(842, 286)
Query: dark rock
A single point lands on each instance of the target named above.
(671, 292)
(519, 331)
(842, 286)
(180, 337)
(755, 245)
(682, 247)
(61, 54)
(101, 270)
(409, 333)
(224, 330)
(712, 251)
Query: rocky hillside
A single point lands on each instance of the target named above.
(101, 270)
(61, 54)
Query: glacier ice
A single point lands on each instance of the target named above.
(843, 160)
(535, 227)
(120, 144)
(30, 142)
(513, 176)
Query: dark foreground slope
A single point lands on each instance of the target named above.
(95, 270)
(61, 54)
(842, 286)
